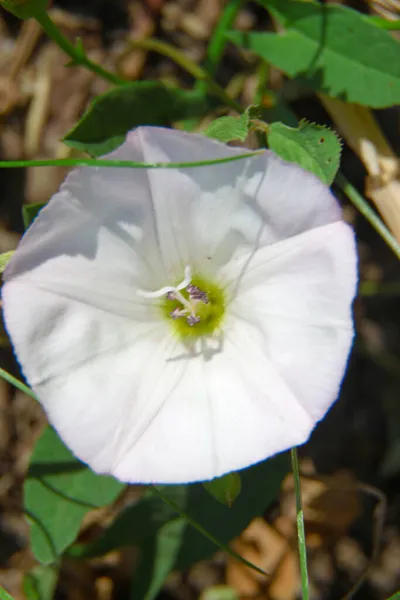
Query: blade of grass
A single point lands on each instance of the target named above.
(365, 209)
(217, 43)
(18, 384)
(300, 526)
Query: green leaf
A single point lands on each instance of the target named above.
(4, 595)
(110, 116)
(333, 49)
(395, 596)
(225, 489)
(134, 524)
(58, 492)
(25, 9)
(260, 486)
(227, 129)
(30, 212)
(168, 542)
(40, 583)
(158, 555)
(314, 147)
(5, 257)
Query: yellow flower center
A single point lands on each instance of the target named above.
(194, 307)
(197, 310)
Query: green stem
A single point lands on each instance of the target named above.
(365, 209)
(153, 45)
(77, 55)
(204, 532)
(300, 525)
(263, 70)
(17, 383)
(218, 41)
(372, 288)
(105, 162)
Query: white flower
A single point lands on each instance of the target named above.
(178, 324)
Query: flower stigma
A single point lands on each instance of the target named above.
(195, 307)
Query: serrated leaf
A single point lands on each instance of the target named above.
(5, 257)
(40, 583)
(333, 49)
(110, 116)
(58, 492)
(162, 535)
(228, 129)
(314, 147)
(30, 212)
(224, 489)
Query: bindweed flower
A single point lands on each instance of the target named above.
(178, 324)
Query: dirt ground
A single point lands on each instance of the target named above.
(351, 466)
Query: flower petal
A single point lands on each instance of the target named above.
(298, 294)
(198, 212)
(289, 199)
(225, 414)
(101, 217)
(204, 214)
(101, 378)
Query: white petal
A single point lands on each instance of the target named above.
(225, 414)
(198, 211)
(101, 378)
(204, 214)
(289, 199)
(298, 294)
(100, 215)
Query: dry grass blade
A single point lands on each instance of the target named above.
(362, 133)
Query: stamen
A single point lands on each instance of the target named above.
(195, 293)
(192, 320)
(168, 289)
(177, 313)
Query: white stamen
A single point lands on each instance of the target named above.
(168, 288)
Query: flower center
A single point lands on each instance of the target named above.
(195, 307)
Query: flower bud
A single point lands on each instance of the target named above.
(25, 9)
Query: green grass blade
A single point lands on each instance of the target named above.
(18, 384)
(300, 526)
(365, 209)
